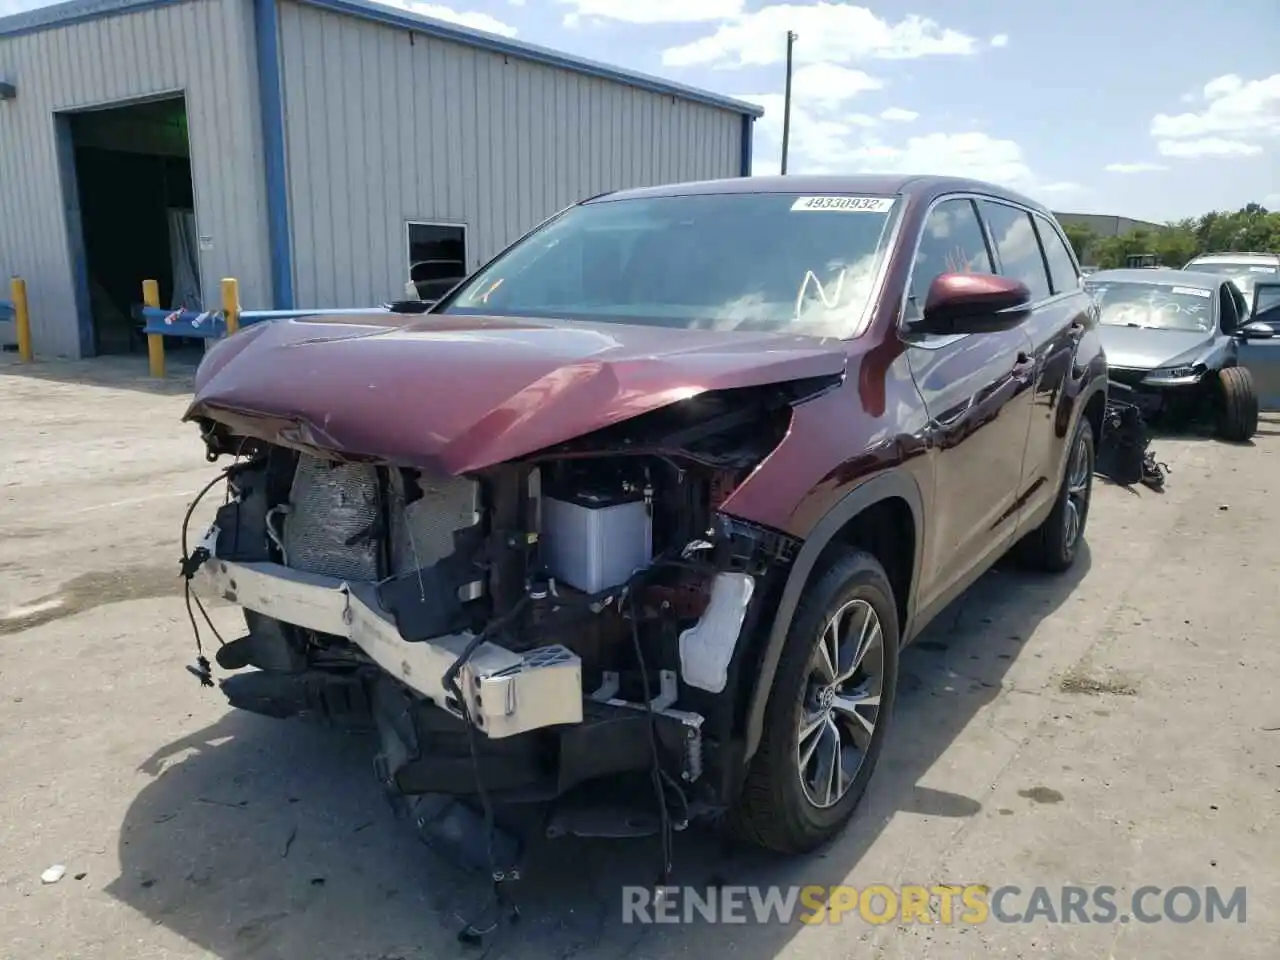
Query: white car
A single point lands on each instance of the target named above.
(1245, 269)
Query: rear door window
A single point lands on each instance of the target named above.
(1062, 266)
(1017, 247)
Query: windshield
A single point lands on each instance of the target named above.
(1155, 306)
(757, 262)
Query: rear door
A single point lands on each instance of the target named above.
(976, 391)
(1030, 248)
(1262, 356)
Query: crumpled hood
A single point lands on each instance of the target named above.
(461, 393)
(1137, 348)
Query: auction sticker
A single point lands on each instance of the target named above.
(1194, 292)
(845, 204)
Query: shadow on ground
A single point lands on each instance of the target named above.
(269, 839)
(120, 373)
(1268, 426)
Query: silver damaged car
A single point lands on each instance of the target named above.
(1174, 338)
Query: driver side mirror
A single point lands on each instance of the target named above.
(1257, 331)
(973, 303)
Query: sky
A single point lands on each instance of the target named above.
(1156, 110)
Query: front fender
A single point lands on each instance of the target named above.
(1088, 376)
(884, 486)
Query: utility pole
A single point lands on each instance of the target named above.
(786, 104)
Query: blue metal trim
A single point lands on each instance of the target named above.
(271, 100)
(748, 129)
(213, 326)
(6, 310)
(249, 317)
(78, 11)
(184, 323)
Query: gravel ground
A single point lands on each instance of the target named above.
(1118, 726)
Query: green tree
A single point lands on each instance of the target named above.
(1251, 228)
(1081, 239)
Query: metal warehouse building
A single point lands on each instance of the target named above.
(313, 149)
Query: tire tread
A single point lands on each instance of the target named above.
(761, 815)
(1238, 419)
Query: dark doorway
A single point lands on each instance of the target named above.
(437, 257)
(136, 211)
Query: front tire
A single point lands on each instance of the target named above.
(1237, 405)
(1053, 546)
(828, 710)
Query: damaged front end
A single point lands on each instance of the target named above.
(546, 631)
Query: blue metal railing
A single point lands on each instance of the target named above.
(212, 324)
(6, 310)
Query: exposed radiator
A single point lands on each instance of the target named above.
(334, 522)
(422, 532)
(331, 527)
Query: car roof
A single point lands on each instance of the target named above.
(1159, 277)
(1242, 257)
(922, 186)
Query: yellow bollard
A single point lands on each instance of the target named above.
(21, 318)
(231, 304)
(155, 341)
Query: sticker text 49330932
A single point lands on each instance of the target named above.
(844, 204)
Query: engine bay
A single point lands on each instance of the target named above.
(548, 632)
(610, 548)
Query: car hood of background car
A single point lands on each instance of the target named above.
(1142, 348)
(459, 393)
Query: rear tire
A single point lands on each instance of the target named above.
(1053, 546)
(815, 725)
(1237, 405)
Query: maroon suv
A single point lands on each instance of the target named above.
(632, 524)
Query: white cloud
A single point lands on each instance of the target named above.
(969, 154)
(1207, 147)
(1000, 40)
(1236, 114)
(463, 18)
(898, 115)
(1142, 166)
(827, 32)
(813, 133)
(821, 121)
(650, 11)
(829, 84)
(837, 147)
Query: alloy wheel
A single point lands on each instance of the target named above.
(841, 703)
(1079, 477)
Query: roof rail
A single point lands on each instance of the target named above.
(1236, 253)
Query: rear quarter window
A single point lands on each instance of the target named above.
(1063, 274)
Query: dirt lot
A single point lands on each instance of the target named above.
(1120, 726)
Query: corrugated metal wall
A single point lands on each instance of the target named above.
(204, 49)
(382, 128)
